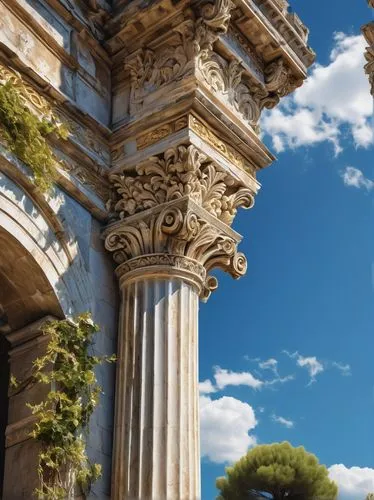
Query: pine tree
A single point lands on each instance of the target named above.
(280, 470)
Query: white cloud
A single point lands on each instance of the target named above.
(279, 380)
(206, 387)
(334, 97)
(225, 424)
(316, 366)
(353, 177)
(225, 378)
(344, 369)
(354, 483)
(311, 363)
(283, 421)
(269, 364)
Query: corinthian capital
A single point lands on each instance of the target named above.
(175, 212)
(175, 239)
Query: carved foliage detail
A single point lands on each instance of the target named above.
(247, 98)
(180, 171)
(151, 69)
(190, 50)
(177, 237)
(369, 66)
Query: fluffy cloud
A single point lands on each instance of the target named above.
(353, 177)
(206, 387)
(311, 363)
(334, 97)
(354, 482)
(225, 424)
(225, 378)
(283, 421)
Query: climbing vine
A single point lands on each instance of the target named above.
(62, 418)
(25, 135)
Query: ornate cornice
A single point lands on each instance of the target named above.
(175, 239)
(152, 70)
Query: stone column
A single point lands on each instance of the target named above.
(157, 446)
(164, 255)
(190, 80)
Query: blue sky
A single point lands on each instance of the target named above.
(286, 353)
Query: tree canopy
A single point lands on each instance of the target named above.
(277, 471)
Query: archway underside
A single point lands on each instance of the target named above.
(25, 297)
(25, 293)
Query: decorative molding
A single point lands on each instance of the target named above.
(150, 69)
(155, 135)
(369, 67)
(248, 99)
(180, 171)
(289, 26)
(93, 179)
(177, 238)
(222, 147)
(368, 31)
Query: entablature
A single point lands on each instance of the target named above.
(205, 50)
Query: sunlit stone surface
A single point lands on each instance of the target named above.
(163, 101)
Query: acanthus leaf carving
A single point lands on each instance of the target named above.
(150, 70)
(369, 67)
(181, 171)
(279, 79)
(178, 237)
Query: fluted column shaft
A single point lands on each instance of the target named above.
(156, 450)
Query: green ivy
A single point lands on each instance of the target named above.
(62, 418)
(25, 135)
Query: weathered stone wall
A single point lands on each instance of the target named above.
(69, 60)
(162, 99)
(82, 282)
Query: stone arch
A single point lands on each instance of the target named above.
(42, 274)
(26, 216)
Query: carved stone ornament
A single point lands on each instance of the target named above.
(180, 171)
(190, 52)
(369, 67)
(178, 238)
(247, 98)
(368, 31)
(151, 69)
